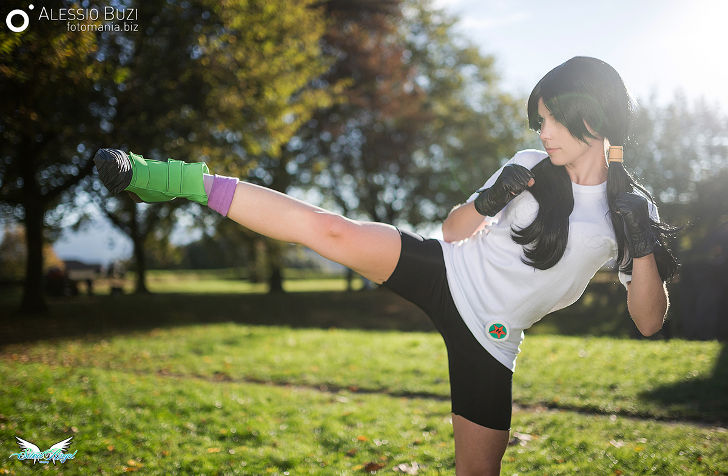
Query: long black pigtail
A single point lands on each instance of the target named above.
(544, 240)
(619, 181)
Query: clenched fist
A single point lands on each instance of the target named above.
(513, 180)
(635, 214)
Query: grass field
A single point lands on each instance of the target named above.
(238, 399)
(196, 384)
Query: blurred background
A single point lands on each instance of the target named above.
(170, 341)
(386, 110)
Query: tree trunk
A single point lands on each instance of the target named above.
(33, 300)
(281, 182)
(137, 237)
(256, 265)
(140, 287)
(275, 261)
(349, 279)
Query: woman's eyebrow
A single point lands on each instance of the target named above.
(547, 112)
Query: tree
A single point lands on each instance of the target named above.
(223, 82)
(476, 125)
(423, 121)
(681, 153)
(51, 116)
(14, 255)
(156, 110)
(678, 150)
(407, 140)
(276, 167)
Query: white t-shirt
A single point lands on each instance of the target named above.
(497, 295)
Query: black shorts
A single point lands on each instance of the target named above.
(480, 386)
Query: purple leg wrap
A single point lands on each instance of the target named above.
(221, 194)
(207, 183)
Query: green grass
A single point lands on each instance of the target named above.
(241, 399)
(231, 282)
(568, 372)
(198, 293)
(207, 281)
(209, 375)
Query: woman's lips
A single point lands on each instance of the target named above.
(551, 150)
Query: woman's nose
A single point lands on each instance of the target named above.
(545, 133)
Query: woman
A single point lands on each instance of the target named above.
(525, 244)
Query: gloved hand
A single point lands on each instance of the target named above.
(513, 180)
(636, 217)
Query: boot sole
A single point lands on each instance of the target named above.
(114, 168)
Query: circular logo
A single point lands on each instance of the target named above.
(496, 330)
(23, 15)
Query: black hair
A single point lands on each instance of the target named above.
(584, 89)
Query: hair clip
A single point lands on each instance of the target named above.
(615, 153)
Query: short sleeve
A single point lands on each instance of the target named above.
(527, 158)
(625, 278)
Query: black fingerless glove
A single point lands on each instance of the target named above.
(512, 180)
(636, 217)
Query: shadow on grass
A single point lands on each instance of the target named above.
(706, 396)
(95, 316)
(600, 312)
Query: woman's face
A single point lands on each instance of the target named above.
(562, 147)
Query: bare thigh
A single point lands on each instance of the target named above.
(478, 450)
(369, 248)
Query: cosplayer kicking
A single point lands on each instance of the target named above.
(524, 245)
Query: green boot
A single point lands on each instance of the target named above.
(151, 180)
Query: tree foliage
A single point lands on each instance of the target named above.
(423, 123)
(277, 168)
(680, 152)
(51, 117)
(14, 255)
(220, 82)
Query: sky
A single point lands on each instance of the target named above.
(657, 47)
(654, 45)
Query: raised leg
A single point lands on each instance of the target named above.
(369, 248)
(478, 450)
(372, 249)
